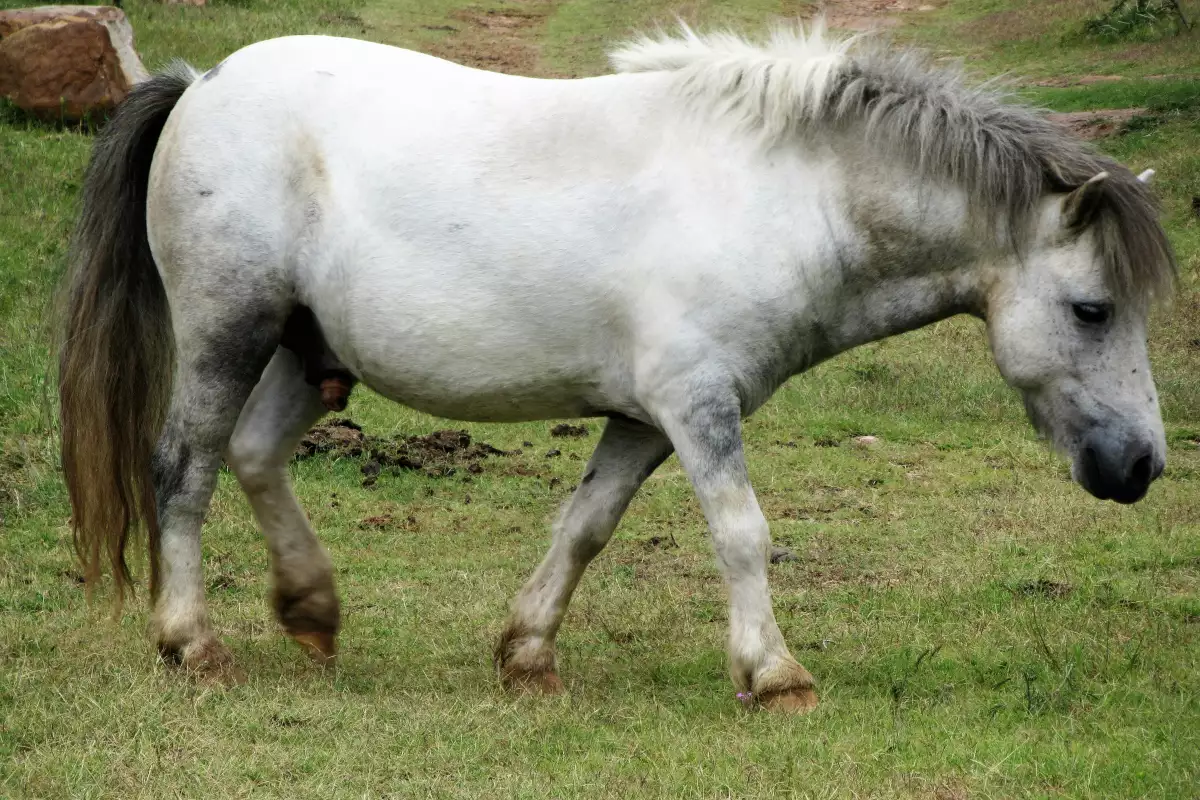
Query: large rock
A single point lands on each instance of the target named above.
(67, 62)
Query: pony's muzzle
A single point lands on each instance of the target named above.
(1118, 469)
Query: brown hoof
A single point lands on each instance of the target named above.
(321, 647)
(790, 701)
(543, 682)
(209, 663)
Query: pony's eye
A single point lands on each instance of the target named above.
(1092, 313)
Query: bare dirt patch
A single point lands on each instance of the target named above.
(501, 39)
(338, 437)
(1085, 80)
(566, 430)
(438, 454)
(867, 15)
(1096, 124)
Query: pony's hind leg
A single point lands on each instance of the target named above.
(628, 452)
(281, 409)
(218, 364)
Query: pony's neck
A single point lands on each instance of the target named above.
(893, 305)
(913, 258)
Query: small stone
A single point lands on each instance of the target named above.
(553, 453)
(865, 441)
(781, 554)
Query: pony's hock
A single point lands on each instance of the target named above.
(662, 247)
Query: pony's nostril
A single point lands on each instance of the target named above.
(1142, 472)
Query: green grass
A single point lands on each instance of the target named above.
(980, 626)
(1040, 40)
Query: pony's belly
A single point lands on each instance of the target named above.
(501, 372)
(501, 401)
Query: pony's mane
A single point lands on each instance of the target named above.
(1005, 155)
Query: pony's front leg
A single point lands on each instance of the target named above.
(628, 452)
(706, 432)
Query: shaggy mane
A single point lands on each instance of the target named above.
(1005, 155)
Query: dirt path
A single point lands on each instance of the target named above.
(497, 36)
(1096, 124)
(503, 39)
(867, 15)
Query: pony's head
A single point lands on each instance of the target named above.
(1068, 329)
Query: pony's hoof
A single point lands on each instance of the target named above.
(207, 662)
(540, 682)
(321, 647)
(790, 701)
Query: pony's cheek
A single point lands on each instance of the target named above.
(1021, 366)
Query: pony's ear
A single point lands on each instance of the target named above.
(1080, 206)
(1146, 176)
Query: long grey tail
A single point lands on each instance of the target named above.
(116, 349)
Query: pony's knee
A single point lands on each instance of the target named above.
(742, 547)
(253, 460)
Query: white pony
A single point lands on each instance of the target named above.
(663, 247)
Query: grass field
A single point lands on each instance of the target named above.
(980, 627)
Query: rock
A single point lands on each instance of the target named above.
(782, 554)
(185, 2)
(67, 62)
(865, 441)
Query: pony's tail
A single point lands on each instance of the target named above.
(116, 347)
